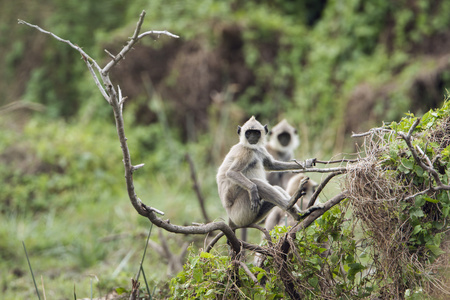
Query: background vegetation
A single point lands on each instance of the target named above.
(329, 67)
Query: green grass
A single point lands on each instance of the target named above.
(65, 197)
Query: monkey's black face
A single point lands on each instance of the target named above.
(253, 136)
(284, 138)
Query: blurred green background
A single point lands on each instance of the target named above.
(330, 67)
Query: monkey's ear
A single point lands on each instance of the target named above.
(266, 129)
(239, 130)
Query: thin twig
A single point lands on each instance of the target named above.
(249, 273)
(196, 187)
(76, 47)
(371, 131)
(336, 161)
(88, 60)
(321, 187)
(321, 170)
(165, 32)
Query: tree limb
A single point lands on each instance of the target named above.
(321, 187)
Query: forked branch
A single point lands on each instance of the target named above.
(115, 99)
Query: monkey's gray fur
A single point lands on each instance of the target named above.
(243, 188)
(283, 140)
(277, 216)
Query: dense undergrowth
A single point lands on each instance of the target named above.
(329, 68)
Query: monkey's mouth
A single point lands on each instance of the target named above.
(284, 138)
(253, 136)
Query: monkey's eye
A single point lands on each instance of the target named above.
(253, 133)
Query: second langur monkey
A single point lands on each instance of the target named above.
(278, 216)
(241, 179)
(283, 140)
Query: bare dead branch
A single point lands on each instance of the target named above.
(321, 187)
(134, 39)
(144, 34)
(249, 273)
(214, 241)
(371, 131)
(321, 170)
(87, 59)
(336, 161)
(317, 213)
(76, 47)
(134, 289)
(196, 187)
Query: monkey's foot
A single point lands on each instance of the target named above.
(300, 192)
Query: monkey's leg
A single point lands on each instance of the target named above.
(299, 193)
(275, 195)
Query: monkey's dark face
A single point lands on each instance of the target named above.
(284, 138)
(252, 136)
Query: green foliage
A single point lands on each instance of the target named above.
(39, 172)
(209, 276)
(428, 213)
(324, 249)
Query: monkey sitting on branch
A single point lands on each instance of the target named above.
(283, 140)
(243, 188)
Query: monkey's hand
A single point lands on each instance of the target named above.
(255, 200)
(310, 162)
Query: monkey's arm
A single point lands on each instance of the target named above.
(270, 164)
(275, 165)
(235, 174)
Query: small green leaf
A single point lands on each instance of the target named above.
(417, 229)
(419, 171)
(355, 268)
(420, 200)
(210, 292)
(435, 250)
(206, 255)
(121, 290)
(198, 274)
(416, 212)
(431, 200)
(313, 281)
(445, 211)
(408, 163)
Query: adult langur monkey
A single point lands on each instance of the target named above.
(283, 140)
(277, 216)
(243, 188)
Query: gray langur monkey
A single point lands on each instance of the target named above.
(277, 216)
(283, 140)
(241, 179)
